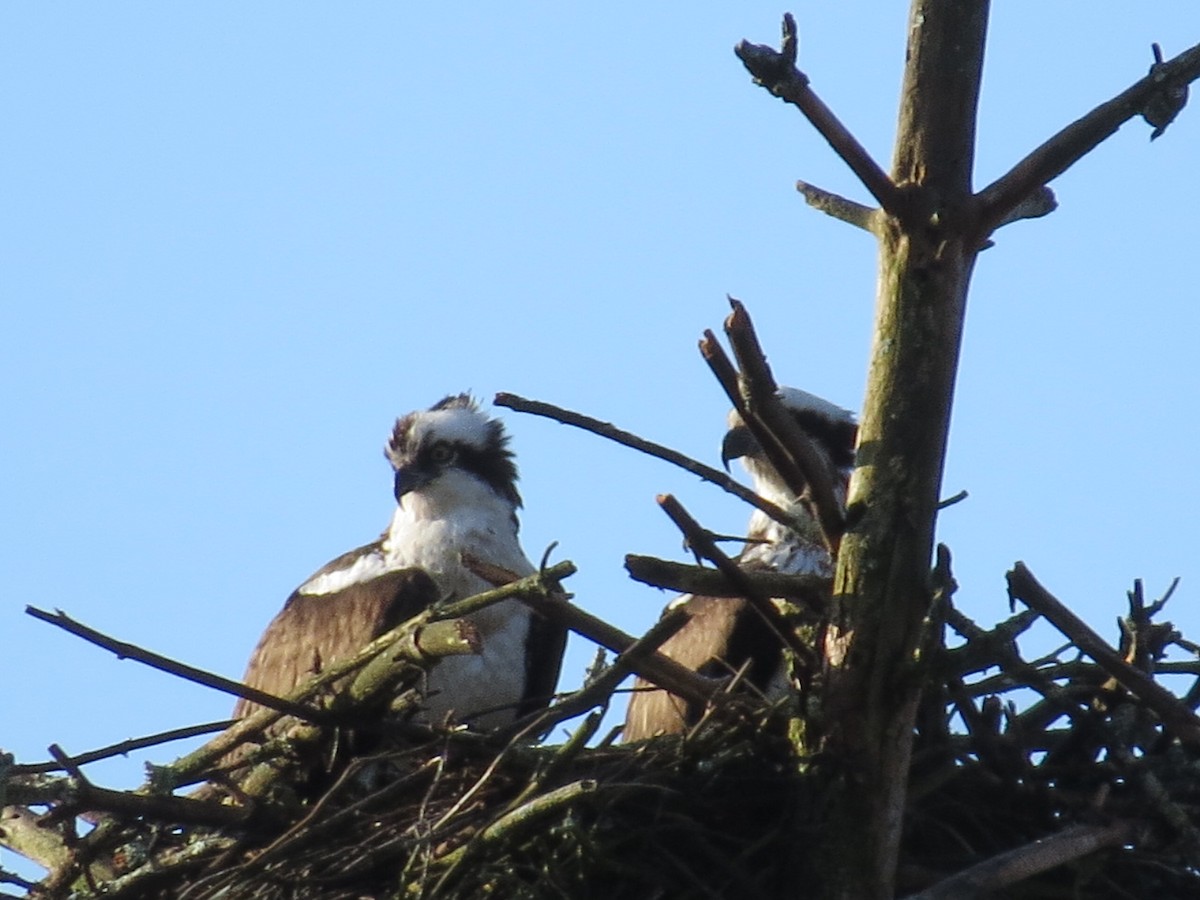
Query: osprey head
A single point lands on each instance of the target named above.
(451, 437)
(831, 427)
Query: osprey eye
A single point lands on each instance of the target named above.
(441, 454)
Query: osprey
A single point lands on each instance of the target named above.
(455, 488)
(725, 633)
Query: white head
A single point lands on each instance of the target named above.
(831, 428)
(449, 448)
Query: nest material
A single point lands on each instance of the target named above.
(729, 810)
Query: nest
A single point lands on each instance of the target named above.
(731, 809)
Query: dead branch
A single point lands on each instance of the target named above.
(125, 650)
(1174, 714)
(997, 201)
(787, 446)
(600, 690)
(776, 71)
(839, 207)
(1025, 862)
(811, 590)
(730, 380)
(123, 747)
(628, 439)
(656, 668)
(699, 540)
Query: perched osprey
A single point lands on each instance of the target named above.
(455, 487)
(725, 633)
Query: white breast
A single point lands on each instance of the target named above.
(433, 534)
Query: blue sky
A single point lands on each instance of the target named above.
(238, 240)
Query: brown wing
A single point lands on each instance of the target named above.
(543, 662)
(314, 630)
(723, 634)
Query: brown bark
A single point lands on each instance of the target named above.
(881, 590)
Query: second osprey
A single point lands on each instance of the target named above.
(455, 488)
(726, 634)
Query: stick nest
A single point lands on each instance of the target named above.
(728, 810)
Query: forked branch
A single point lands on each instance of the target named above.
(996, 202)
(776, 71)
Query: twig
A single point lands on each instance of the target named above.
(727, 376)
(1004, 654)
(601, 689)
(811, 590)
(776, 71)
(69, 796)
(172, 866)
(123, 748)
(787, 446)
(560, 760)
(846, 210)
(628, 439)
(699, 541)
(1173, 713)
(1024, 862)
(952, 500)
(125, 650)
(1040, 203)
(314, 826)
(518, 822)
(656, 668)
(997, 201)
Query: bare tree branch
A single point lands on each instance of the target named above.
(125, 650)
(628, 439)
(599, 692)
(996, 202)
(402, 640)
(661, 670)
(1024, 862)
(811, 590)
(123, 747)
(731, 382)
(786, 443)
(776, 71)
(848, 211)
(699, 540)
(1174, 714)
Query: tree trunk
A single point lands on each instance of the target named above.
(882, 590)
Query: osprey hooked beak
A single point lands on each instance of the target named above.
(411, 478)
(738, 442)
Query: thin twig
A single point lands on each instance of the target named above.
(656, 668)
(68, 796)
(729, 379)
(1173, 713)
(125, 650)
(601, 689)
(776, 71)
(811, 590)
(123, 748)
(787, 446)
(1015, 866)
(841, 208)
(700, 542)
(628, 439)
(997, 201)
